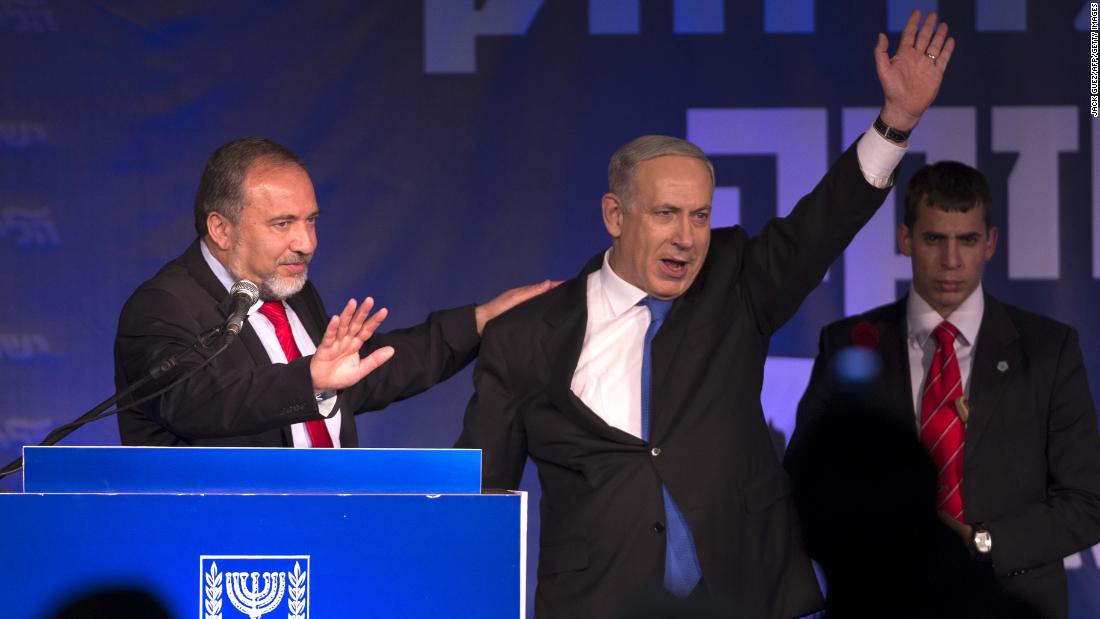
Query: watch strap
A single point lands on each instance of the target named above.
(896, 136)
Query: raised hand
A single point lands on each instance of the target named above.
(336, 364)
(911, 77)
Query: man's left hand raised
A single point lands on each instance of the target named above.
(912, 77)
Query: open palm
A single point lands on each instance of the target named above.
(911, 77)
(336, 364)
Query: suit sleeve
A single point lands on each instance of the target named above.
(791, 255)
(225, 398)
(491, 423)
(423, 356)
(1067, 520)
(814, 401)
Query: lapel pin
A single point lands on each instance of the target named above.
(963, 408)
(1002, 366)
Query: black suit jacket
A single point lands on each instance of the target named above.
(602, 538)
(241, 398)
(1032, 455)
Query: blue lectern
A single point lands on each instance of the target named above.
(275, 533)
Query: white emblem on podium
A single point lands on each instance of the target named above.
(254, 586)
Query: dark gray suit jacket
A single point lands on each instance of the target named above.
(602, 540)
(241, 398)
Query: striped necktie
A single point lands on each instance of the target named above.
(276, 313)
(941, 428)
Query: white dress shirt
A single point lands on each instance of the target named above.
(265, 330)
(608, 377)
(922, 320)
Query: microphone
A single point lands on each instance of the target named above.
(244, 294)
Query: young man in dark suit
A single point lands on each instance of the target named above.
(997, 395)
(655, 461)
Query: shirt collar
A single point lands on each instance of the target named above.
(967, 318)
(222, 273)
(621, 295)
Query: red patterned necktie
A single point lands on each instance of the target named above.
(941, 428)
(276, 313)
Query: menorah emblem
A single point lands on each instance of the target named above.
(255, 586)
(255, 602)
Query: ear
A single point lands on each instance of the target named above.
(905, 240)
(613, 214)
(990, 243)
(218, 230)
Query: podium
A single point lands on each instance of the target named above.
(223, 533)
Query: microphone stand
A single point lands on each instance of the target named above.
(101, 410)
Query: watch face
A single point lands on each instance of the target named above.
(982, 541)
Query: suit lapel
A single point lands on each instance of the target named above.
(200, 271)
(196, 265)
(307, 314)
(997, 362)
(682, 325)
(898, 384)
(565, 324)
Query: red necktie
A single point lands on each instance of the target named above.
(941, 428)
(276, 313)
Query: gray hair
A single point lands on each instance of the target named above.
(620, 170)
(220, 189)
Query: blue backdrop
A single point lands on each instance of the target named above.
(459, 148)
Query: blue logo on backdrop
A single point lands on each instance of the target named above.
(27, 16)
(24, 348)
(18, 431)
(29, 227)
(253, 586)
(797, 137)
(451, 28)
(17, 135)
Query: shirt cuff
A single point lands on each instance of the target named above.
(326, 404)
(878, 157)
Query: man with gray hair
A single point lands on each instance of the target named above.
(288, 380)
(635, 387)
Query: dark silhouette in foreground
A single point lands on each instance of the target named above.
(865, 492)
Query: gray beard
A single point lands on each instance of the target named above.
(272, 288)
(275, 289)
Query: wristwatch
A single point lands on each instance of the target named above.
(896, 136)
(982, 541)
